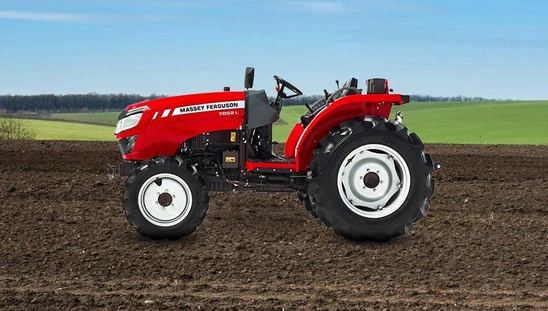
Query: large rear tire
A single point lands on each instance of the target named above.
(164, 199)
(371, 180)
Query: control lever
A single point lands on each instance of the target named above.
(308, 107)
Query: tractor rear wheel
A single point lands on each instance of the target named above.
(371, 180)
(164, 199)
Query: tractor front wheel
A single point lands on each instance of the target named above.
(164, 199)
(371, 180)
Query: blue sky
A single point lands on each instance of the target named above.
(489, 48)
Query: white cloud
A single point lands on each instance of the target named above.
(41, 16)
(161, 3)
(319, 6)
(322, 6)
(402, 5)
(80, 17)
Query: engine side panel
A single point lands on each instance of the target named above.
(171, 121)
(346, 108)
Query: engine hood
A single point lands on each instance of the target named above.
(162, 125)
(187, 100)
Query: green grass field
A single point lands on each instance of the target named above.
(107, 118)
(58, 130)
(502, 122)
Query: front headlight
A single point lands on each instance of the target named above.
(129, 118)
(127, 123)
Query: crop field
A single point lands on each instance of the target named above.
(496, 122)
(106, 118)
(60, 130)
(65, 244)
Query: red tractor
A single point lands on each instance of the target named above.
(356, 171)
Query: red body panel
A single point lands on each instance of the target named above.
(346, 108)
(170, 121)
(292, 140)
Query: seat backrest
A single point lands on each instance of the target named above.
(352, 82)
(259, 111)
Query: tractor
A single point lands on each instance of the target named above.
(355, 170)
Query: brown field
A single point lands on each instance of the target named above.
(65, 244)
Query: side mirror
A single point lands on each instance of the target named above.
(249, 77)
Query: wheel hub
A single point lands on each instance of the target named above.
(165, 199)
(371, 180)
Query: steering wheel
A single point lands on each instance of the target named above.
(288, 85)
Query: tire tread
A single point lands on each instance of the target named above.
(320, 165)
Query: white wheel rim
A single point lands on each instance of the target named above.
(374, 181)
(165, 200)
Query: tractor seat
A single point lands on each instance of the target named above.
(352, 82)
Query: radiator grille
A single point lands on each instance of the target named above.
(198, 142)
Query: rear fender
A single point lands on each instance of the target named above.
(344, 109)
(292, 140)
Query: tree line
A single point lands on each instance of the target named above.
(301, 100)
(49, 103)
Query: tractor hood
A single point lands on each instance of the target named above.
(183, 104)
(159, 126)
(173, 102)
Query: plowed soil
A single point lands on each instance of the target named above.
(65, 244)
